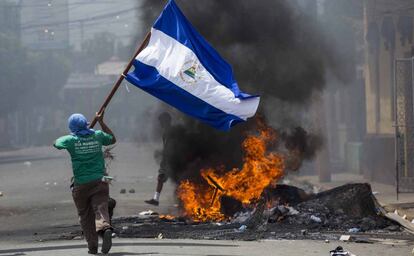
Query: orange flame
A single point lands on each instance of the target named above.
(201, 202)
(167, 217)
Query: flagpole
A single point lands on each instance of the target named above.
(121, 78)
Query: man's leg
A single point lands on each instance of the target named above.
(87, 216)
(111, 206)
(162, 178)
(99, 201)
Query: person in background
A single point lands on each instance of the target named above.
(91, 189)
(165, 123)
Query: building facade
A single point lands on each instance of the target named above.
(388, 30)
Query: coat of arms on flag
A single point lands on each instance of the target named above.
(190, 72)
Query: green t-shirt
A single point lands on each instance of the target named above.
(86, 153)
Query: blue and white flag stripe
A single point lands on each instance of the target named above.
(179, 67)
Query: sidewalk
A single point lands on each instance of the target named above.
(203, 247)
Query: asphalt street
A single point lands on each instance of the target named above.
(203, 248)
(36, 195)
(36, 199)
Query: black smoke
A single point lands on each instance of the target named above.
(277, 51)
(193, 146)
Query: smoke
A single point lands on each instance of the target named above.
(193, 146)
(277, 51)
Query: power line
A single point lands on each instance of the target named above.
(94, 18)
(99, 19)
(94, 23)
(117, 17)
(38, 19)
(80, 3)
(75, 35)
(69, 7)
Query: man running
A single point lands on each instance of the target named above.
(91, 191)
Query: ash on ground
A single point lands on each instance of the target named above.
(350, 209)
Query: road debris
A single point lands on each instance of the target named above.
(345, 238)
(354, 230)
(148, 214)
(339, 251)
(242, 228)
(316, 219)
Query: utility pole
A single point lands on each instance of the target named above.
(323, 166)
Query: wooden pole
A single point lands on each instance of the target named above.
(121, 78)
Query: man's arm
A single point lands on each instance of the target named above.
(61, 143)
(105, 128)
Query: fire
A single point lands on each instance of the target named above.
(167, 217)
(201, 202)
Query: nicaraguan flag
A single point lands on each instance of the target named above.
(181, 68)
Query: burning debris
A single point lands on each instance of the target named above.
(226, 202)
(325, 215)
(260, 169)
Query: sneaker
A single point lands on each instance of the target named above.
(152, 201)
(107, 241)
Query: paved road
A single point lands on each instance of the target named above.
(202, 248)
(37, 196)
